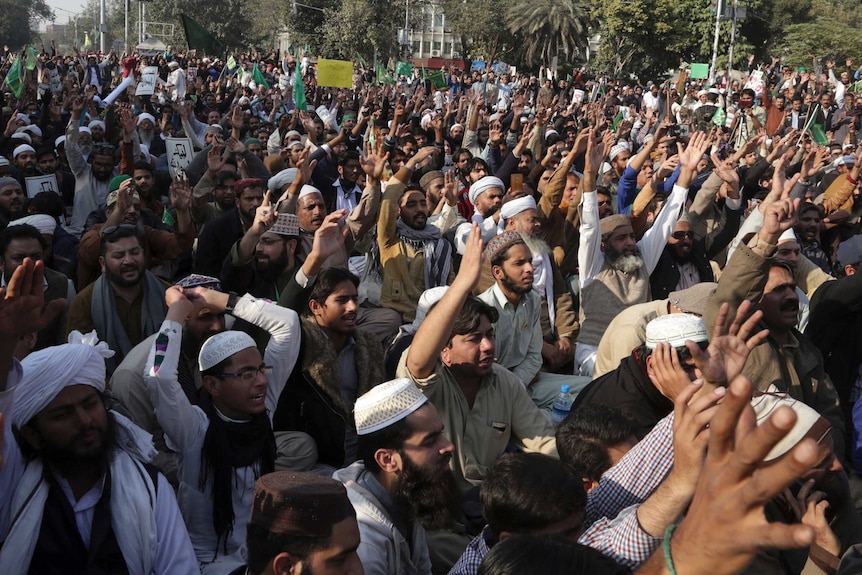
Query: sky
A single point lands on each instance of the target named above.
(63, 7)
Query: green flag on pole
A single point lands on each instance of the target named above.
(258, 77)
(199, 38)
(31, 58)
(14, 79)
(299, 90)
(403, 69)
(818, 134)
(719, 118)
(438, 80)
(383, 76)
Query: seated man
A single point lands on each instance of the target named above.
(123, 208)
(525, 493)
(75, 492)
(485, 408)
(127, 303)
(592, 440)
(301, 521)
(226, 442)
(646, 383)
(486, 196)
(402, 480)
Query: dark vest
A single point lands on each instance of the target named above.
(665, 276)
(60, 549)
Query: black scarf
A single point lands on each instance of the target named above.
(229, 446)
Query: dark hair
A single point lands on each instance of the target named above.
(604, 190)
(748, 92)
(345, 157)
(22, 231)
(328, 281)
(403, 140)
(49, 203)
(470, 316)
(390, 437)
(471, 163)
(225, 175)
(543, 554)
(123, 231)
(783, 265)
(808, 207)
(526, 492)
(142, 166)
(263, 545)
(584, 437)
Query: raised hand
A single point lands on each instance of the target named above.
(22, 302)
(215, 163)
(470, 271)
(181, 193)
(264, 215)
(373, 165)
(331, 235)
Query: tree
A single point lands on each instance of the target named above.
(477, 24)
(549, 28)
(357, 27)
(823, 38)
(19, 20)
(227, 20)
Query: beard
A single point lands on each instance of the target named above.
(270, 269)
(431, 500)
(511, 286)
(68, 462)
(624, 263)
(117, 278)
(536, 245)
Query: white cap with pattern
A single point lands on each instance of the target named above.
(221, 346)
(675, 329)
(286, 225)
(385, 404)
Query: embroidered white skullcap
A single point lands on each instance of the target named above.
(808, 421)
(788, 236)
(214, 128)
(21, 149)
(49, 371)
(221, 346)
(23, 118)
(42, 222)
(59, 140)
(97, 123)
(23, 136)
(281, 179)
(675, 329)
(428, 298)
(85, 130)
(385, 404)
(306, 190)
(456, 125)
(616, 151)
(482, 185)
(286, 225)
(146, 116)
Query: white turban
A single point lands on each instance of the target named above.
(482, 185)
(21, 136)
(33, 129)
(428, 298)
(49, 371)
(281, 179)
(515, 207)
(59, 140)
(21, 149)
(306, 190)
(146, 116)
(96, 123)
(85, 130)
(23, 118)
(42, 222)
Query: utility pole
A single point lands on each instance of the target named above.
(103, 27)
(719, 9)
(732, 46)
(126, 39)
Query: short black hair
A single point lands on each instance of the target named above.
(543, 554)
(470, 316)
(142, 166)
(123, 231)
(21, 231)
(262, 546)
(526, 492)
(345, 157)
(584, 437)
(49, 203)
(390, 437)
(328, 281)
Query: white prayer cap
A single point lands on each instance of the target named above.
(3, 161)
(675, 329)
(426, 119)
(714, 91)
(291, 134)
(85, 130)
(306, 190)
(21, 149)
(482, 185)
(33, 129)
(616, 151)
(702, 93)
(550, 132)
(173, 64)
(97, 124)
(281, 179)
(294, 144)
(22, 136)
(23, 118)
(386, 404)
(286, 225)
(214, 128)
(809, 423)
(59, 140)
(515, 207)
(146, 116)
(428, 298)
(844, 161)
(42, 222)
(788, 236)
(49, 371)
(221, 346)
(456, 125)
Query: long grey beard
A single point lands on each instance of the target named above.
(537, 246)
(627, 264)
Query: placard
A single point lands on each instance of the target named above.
(180, 153)
(334, 73)
(147, 83)
(44, 183)
(699, 71)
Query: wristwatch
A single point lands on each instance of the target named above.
(232, 298)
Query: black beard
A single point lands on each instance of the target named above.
(433, 502)
(271, 269)
(67, 463)
(510, 285)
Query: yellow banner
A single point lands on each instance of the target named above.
(334, 73)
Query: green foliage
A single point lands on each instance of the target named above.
(478, 25)
(360, 26)
(227, 20)
(19, 20)
(548, 29)
(823, 38)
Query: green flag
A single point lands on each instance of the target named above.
(719, 118)
(383, 76)
(31, 58)
(299, 90)
(231, 63)
(438, 80)
(361, 61)
(403, 69)
(258, 77)
(14, 79)
(199, 38)
(818, 134)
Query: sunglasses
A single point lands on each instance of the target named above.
(681, 235)
(111, 229)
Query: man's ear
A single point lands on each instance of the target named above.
(31, 436)
(314, 307)
(497, 272)
(210, 383)
(102, 263)
(286, 564)
(848, 270)
(603, 246)
(389, 460)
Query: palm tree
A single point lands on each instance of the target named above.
(549, 28)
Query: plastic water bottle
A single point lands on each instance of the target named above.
(562, 405)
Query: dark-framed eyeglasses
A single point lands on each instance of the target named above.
(249, 374)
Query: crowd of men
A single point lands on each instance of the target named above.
(338, 338)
